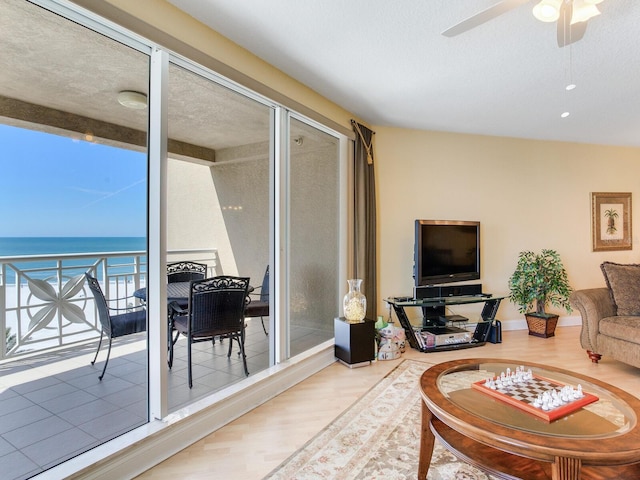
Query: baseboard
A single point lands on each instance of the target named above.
(521, 323)
(135, 452)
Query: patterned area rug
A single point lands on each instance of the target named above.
(376, 438)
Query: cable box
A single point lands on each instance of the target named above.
(453, 318)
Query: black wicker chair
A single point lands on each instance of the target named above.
(259, 301)
(216, 307)
(182, 272)
(134, 320)
(185, 271)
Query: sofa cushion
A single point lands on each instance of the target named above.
(624, 286)
(623, 328)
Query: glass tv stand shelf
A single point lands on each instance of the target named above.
(434, 334)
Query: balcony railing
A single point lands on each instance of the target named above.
(46, 304)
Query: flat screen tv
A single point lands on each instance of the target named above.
(446, 251)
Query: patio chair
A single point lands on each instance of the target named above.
(259, 307)
(179, 272)
(216, 307)
(114, 325)
(185, 271)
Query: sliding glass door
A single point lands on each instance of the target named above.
(314, 229)
(217, 213)
(73, 200)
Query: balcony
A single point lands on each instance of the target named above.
(52, 405)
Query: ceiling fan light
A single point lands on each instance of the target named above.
(547, 10)
(583, 12)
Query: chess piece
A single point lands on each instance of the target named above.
(538, 401)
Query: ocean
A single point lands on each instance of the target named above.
(12, 246)
(51, 246)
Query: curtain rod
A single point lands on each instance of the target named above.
(354, 122)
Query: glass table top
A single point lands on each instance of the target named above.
(607, 417)
(452, 300)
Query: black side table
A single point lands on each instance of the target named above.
(354, 342)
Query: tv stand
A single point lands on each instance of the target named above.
(435, 336)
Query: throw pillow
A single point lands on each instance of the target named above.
(624, 286)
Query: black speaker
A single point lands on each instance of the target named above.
(495, 333)
(448, 290)
(460, 290)
(427, 292)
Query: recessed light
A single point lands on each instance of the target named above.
(565, 114)
(131, 99)
(571, 86)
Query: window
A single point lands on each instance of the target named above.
(224, 196)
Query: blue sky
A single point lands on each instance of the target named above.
(56, 186)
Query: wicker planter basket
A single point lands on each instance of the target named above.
(541, 325)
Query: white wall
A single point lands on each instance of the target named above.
(528, 195)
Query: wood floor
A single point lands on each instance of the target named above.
(250, 447)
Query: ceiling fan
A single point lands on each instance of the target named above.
(571, 17)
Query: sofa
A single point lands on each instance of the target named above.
(611, 315)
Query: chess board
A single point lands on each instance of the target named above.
(523, 396)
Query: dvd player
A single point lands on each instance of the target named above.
(439, 336)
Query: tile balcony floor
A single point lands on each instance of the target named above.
(53, 407)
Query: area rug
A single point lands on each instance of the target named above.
(378, 437)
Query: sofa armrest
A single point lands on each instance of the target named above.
(594, 304)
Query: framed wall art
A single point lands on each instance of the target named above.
(610, 221)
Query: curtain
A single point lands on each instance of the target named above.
(365, 216)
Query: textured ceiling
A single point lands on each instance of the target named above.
(387, 62)
(60, 77)
(65, 67)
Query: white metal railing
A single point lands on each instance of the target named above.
(45, 302)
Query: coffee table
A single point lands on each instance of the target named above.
(598, 441)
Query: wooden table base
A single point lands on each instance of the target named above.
(506, 465)
(507, 443)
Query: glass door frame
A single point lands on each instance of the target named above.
(157, 188)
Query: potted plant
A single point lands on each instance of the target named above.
(540, 278)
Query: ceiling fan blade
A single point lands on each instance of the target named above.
(568, 33)
(484, 16)
(576, 32)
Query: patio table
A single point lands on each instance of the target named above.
(176, 292)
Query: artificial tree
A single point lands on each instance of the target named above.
(540, 278)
